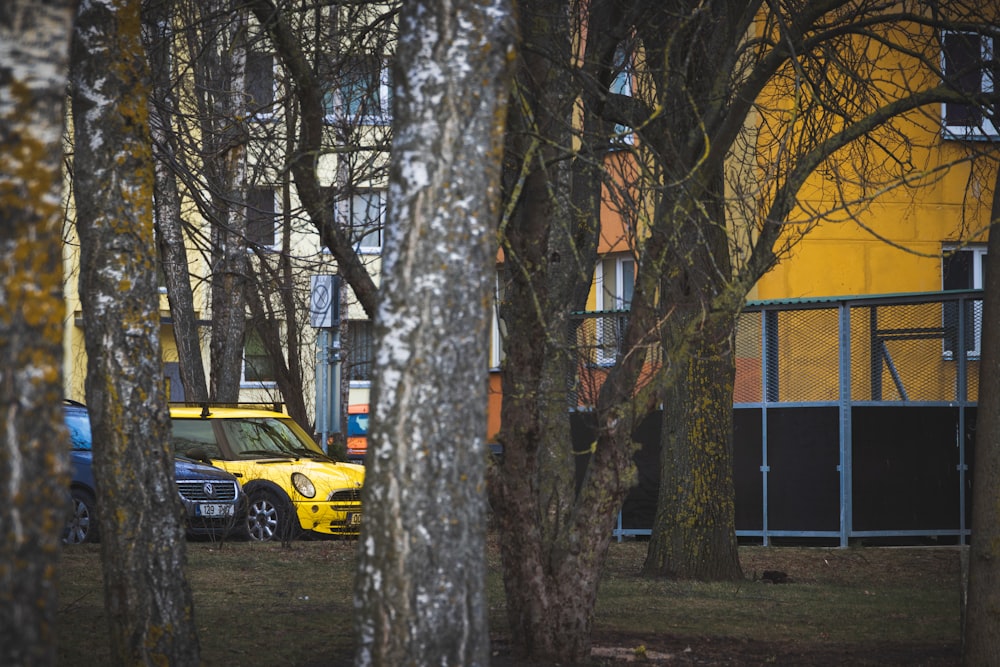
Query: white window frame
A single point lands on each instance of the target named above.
(497, 353)
(606, 354)
(252, 384)
(978, 253)
(988, 128)
(622, 84)
(384, 95)
(270, 115)
(618, 299)
(276, 195)
(345, 218)
(380, 116)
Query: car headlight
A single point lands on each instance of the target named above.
(303, 485)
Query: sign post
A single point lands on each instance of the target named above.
(324, 315)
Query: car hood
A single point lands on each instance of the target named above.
(83, 460)
(191, 469)
(325, 475)
(344, 475)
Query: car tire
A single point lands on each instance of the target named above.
(268, 517)
(81, 527)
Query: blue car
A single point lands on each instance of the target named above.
(213, 499)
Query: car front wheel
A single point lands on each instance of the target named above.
(81, 527)
(268, 517)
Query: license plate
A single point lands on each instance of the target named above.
(354, 519)
(213, 509)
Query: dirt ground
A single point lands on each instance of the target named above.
(719, 652)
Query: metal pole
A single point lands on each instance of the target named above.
(322, 387)
(846, 424)
(334, 418)
(324, 315)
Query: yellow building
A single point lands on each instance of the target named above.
(923, 235)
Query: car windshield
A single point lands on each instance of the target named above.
(78, 423)
(267, 436)
(194, 438)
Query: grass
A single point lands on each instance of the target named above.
(835, 595)
(261, 604)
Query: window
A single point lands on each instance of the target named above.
(364, 214)
(615, 283)
(969, 65)
(161, 277)
(161, 274)
(78, 423)
(963, 269)
(362, 91)
(260, 82)
(621, 84)
(257, 365)
(498, 330)
(261, 217)
(358, 352)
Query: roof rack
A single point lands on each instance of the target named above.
(206, 406)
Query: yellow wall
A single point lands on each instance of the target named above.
(843, 256)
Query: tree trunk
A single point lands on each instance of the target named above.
(980, 639)
(552, 562)
(549, 607)
(554, 535)
(686, 260)
(291, 383)
(287, 372)
(157, 16)
(147, 599)
(229, 235)
(694, 533)
(33, 461)
(421, 581)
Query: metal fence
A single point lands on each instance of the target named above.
(854, 418)
(899, 349)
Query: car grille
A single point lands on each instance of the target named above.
(346, 499)
(199, 490)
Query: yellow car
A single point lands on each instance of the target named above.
(291, 484)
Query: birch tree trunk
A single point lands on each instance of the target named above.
(147, 598)
(34, 42)
(420, 589)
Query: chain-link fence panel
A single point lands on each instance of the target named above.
(905, 349)
(596, 344)
(748, 347)
(899, 352)
(801, 355)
